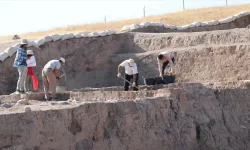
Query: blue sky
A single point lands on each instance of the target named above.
(21, 16)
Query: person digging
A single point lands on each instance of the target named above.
(49, 77)
(131, 72)
(164, 59)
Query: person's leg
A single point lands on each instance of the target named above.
(136, 83)
(27, 83)
(22, 71)
(24, 77)
(23, 81)
(45, 84)
(164, 65)
(52, 83)
(30, 83)
(126, 84)
(173, 60)
(18, 87)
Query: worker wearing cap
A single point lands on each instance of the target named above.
(164, 59)
(21, 65)
(49, 77)
(30, 64)
(131, 72)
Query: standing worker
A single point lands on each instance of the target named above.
(165, 58)
(131, 72)
(21, 65)
(31, 78)
(49, 77)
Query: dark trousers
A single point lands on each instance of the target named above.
(126, 84)
(164, 65)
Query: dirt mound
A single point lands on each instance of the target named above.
(179, 116)
(242, 22)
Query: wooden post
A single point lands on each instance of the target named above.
(183, 4)
(144, 12)
(105, 19)
(226, 2)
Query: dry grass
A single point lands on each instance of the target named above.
(178, 18)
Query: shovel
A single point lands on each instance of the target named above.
(61, 88)
(130, 83)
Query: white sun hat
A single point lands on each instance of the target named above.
(24, 41)
(131, 62)
(62, 59)
(30, 52)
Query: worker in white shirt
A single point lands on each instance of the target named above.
(49, 77)
(30, 64)
(131, 72)
(165, 58)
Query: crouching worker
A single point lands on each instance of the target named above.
(131, 72)
(31, 79)
(49, 77)
(164, 59)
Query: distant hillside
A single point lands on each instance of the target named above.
(178, 18)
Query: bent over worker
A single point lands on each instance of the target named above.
(131, 72)
(165, 58)
(49, 77)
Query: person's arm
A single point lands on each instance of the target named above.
(159, 66)
(23, 55)
(171, 63)
(34, 64)
(135, 71)
(119, 70)
(55, 71)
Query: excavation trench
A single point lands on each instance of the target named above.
(177, 116)
(206, 109)
(92, 62)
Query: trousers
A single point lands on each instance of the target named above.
(49, 83)
(126, 84)
(22, 71)
(164, 65)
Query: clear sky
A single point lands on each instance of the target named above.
(20, 16)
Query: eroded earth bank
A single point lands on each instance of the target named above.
(175, 117)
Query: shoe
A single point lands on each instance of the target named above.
(16, 92)
(54, 99)
(48, 99)
(29, 92)
(22, 92)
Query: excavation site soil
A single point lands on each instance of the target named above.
(207, 108)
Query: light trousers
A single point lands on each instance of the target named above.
(49, 83)
(22, 71)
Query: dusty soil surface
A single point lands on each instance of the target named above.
(189, 116)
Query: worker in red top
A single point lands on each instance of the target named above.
(31, 78)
